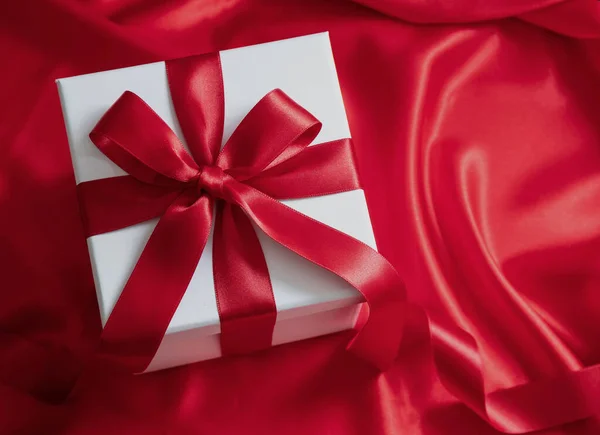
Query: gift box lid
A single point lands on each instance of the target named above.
(303, 68)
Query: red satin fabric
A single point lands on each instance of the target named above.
(268, 144)
(486, 133)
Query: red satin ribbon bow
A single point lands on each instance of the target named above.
(265, 158)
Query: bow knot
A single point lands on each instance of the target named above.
(212, 180)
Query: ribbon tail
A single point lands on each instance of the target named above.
(159, 280)
(244, 294)
(381, 322)
(521, 409)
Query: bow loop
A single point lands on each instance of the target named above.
(134, 137)
(274, 130)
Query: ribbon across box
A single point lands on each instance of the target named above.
(310, 300)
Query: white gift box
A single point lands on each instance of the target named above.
(310, 301)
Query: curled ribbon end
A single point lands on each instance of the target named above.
(379, 334)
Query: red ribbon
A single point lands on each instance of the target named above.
(267, 158)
